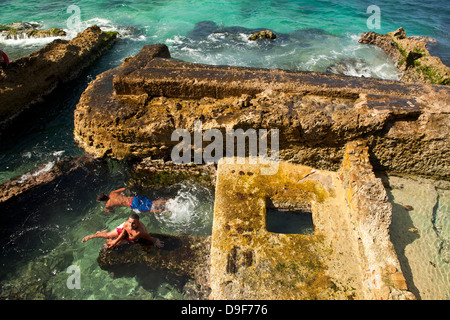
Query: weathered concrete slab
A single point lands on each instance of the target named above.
(132, 110)
(349, 255)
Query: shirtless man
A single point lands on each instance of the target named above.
(129, 231)
(117, 199)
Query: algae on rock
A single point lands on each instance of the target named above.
(414, 61)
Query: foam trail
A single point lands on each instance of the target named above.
(49, 166)
(104, 24)
(189, 212)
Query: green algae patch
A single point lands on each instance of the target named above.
(160, 174)
(416, 63)
(108, 37)
(26, 30)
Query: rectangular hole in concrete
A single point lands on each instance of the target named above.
(289, 221)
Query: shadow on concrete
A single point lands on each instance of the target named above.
(402, 232)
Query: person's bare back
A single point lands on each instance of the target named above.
(118, 199)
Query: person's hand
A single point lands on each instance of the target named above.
(109, 244)
(158, 243)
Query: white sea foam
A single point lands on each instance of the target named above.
(47, 167)
(58, 153)
(176, 40)
(354, 37)
(189, 212)
(27, 155)
(27, 41)
(216, 36)
(104, 24)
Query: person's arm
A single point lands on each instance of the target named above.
(116, 241)
(118, 190)
(156, 242)
(109, 210)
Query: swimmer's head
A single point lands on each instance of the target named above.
(133, 219)
(102, 197)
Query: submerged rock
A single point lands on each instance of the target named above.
(264, 34)
(131, 112)
(68, 168)
(35, 281)
(414, 61)
(28, 80)
(183, 256)
(25, 30)
(49, 186)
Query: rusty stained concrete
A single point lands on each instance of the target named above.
(249, 262)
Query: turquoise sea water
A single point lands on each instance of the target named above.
(321, 32)
(312, 35)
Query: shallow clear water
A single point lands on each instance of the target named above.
(43, 243)
(421, 235)
(318, 36)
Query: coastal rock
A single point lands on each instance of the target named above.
(25, 30)
(371, 214)
(131, 111)
(204, 29)
(183, 256)
(28, 80)
(162, 174)
(414, 61)
(47, 183)
(264, 34)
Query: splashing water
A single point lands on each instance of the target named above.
(189, 212)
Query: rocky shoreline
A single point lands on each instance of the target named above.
(28, 80)
(48, 177)
(129, 112)
(414, 61)
(25, 30)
